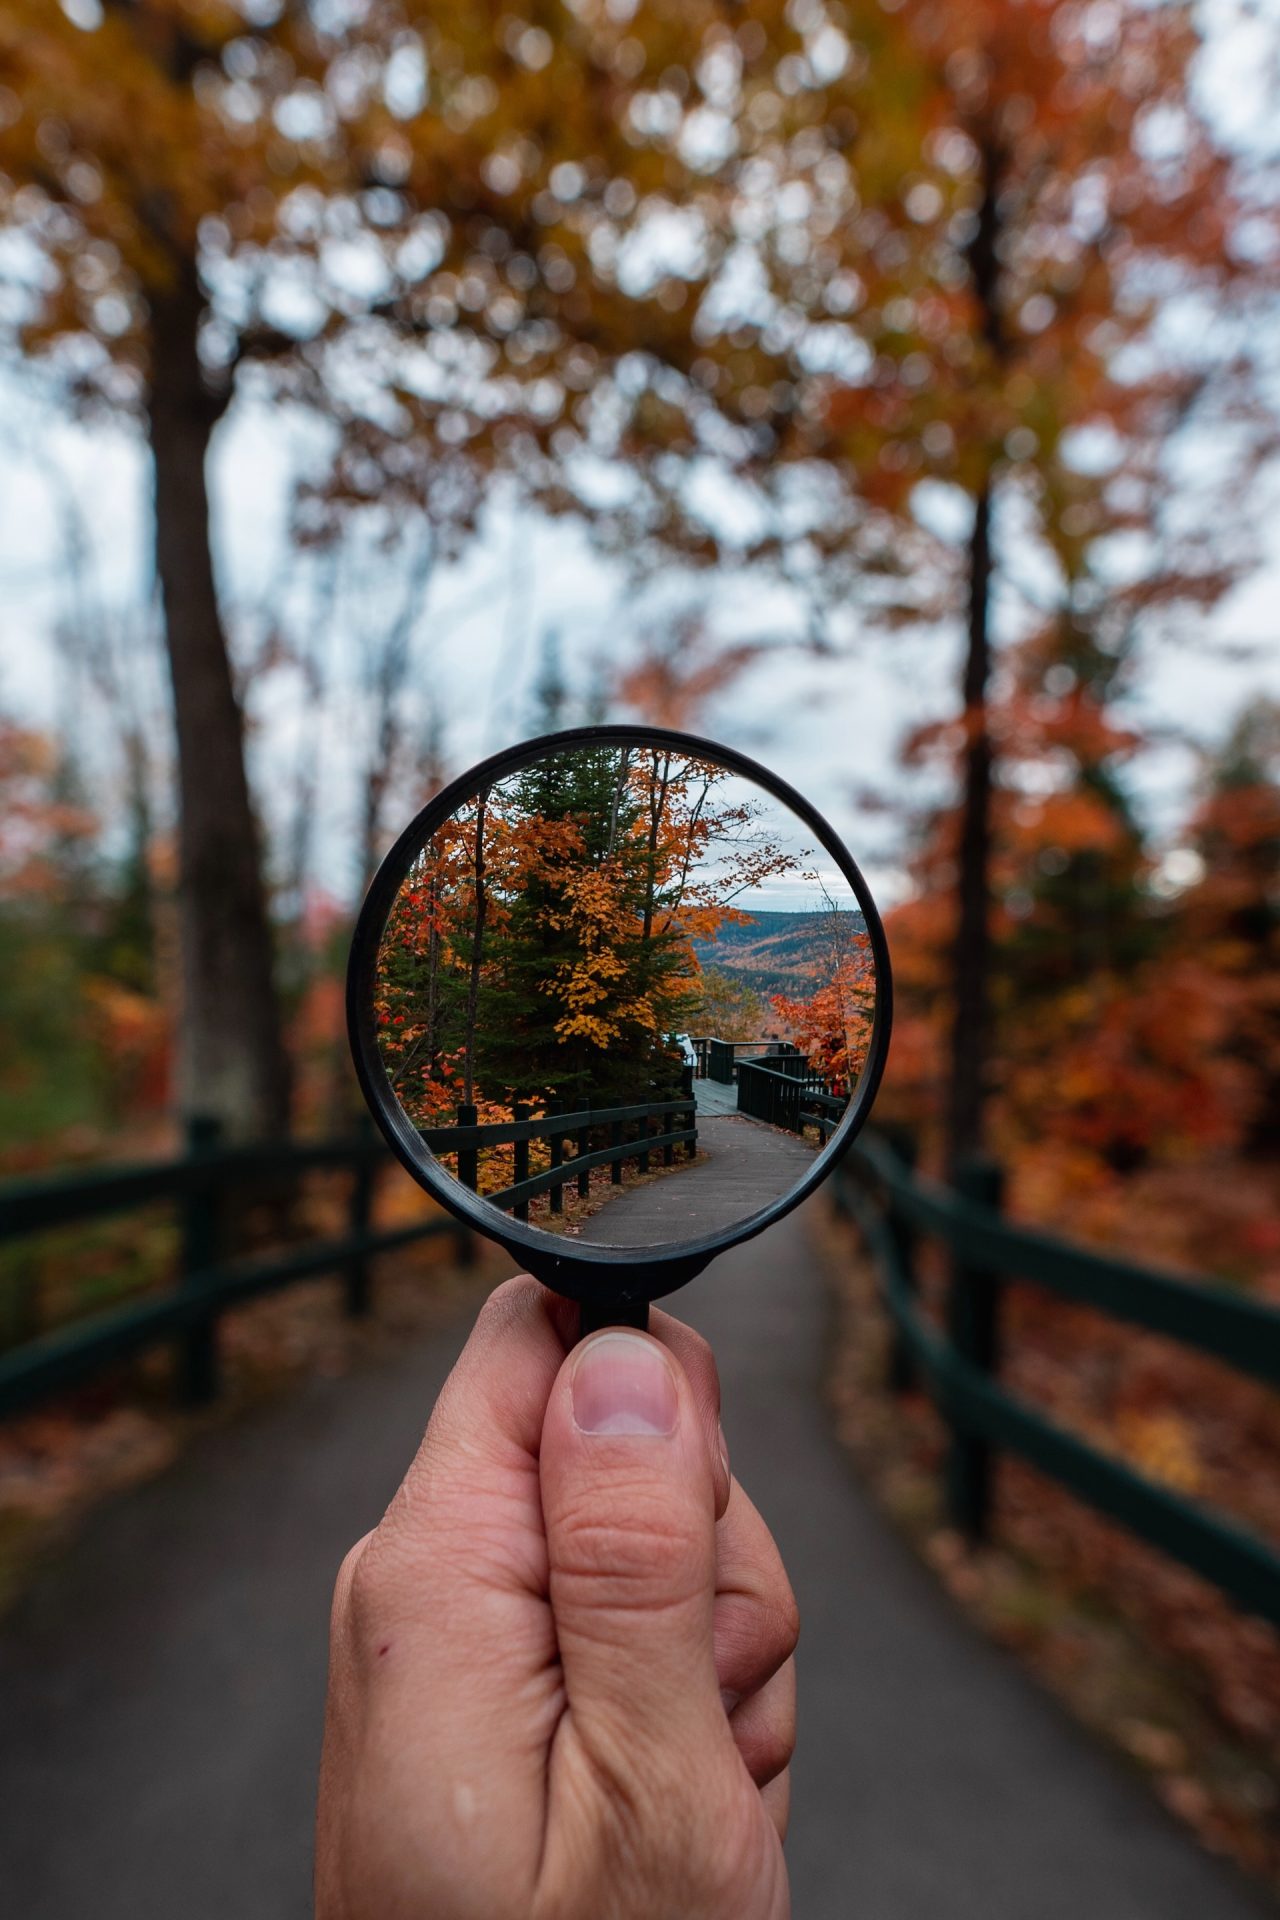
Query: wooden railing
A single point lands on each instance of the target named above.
(957, 1359)
(719, 1059)
(205, 1282)
(789, 1093)
(601, 1137)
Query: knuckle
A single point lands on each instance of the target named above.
(785, 1623)
(754, 1638)
(345, 1581)
(767, 1748)
(702, 1361)
(511, 1301)
(764, 1728)
(366, 1591)
(630, 1552)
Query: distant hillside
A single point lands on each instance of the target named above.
(776, 952)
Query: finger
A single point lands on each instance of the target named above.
(443, 1640)
(628, 1501)
(699, 1363)
(764, 1726)
(445, 1614)
(480, 1448)
(776, 1797)
(756, 1621)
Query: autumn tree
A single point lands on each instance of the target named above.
(1229, 918)
(86, 1047)
(992, 259)
(1134, 1035)
(413, 223)
(1070, 191)
(543, 945)
(728, 1008)
(832, 1023)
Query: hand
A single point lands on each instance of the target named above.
(561, 1683)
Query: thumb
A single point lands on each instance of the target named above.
(628, 1497)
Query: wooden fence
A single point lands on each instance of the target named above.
(719, 1059)
(206, 1282)
(957, 1360)
(601, 1137)
(788, 1093)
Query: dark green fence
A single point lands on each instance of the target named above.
(719, 1059)
(958, 1361)
(601, 1137)
(788, 1093)
(206, 1283)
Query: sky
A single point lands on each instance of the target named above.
(813, 883)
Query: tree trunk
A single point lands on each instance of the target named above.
(433, 977)
(971, 963)
(972, 953)
(477, 953)
(657, 804)
(232, 1059)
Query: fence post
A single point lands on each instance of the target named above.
(583, 1144)
(197, 1381)
(555, 1147)
(643, 1158)
(359, 1220)
(973, 1304)
(520, 1159)
(615, 1166)
(468, 1157)
(902, 1373)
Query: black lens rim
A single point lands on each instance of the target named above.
(583, 1271)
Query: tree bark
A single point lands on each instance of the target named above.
(477, 952)
(657, 803)
(971, 960)
(232, 1060)
(971, 955)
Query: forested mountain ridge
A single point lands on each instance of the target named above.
(777, 952)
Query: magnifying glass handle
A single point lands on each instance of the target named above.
(596, 1314)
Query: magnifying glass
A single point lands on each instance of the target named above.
(619, 998)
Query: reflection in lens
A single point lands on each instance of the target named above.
(621, 998)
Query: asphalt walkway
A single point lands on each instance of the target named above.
(162, 1686)
(744, 1165)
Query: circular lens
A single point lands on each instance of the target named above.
(622, 994)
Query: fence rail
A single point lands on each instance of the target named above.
(788, 1094)
(719, 1059)
(958, 1362)
(467, 1139)
(207, 1282)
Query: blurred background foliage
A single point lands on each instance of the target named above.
(889, 386)
(913, 318)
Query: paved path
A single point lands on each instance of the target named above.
(746, 1165)
(712, 1096)
(162, 1688)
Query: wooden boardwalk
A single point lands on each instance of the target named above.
(712, 1097)
(746, 1165)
